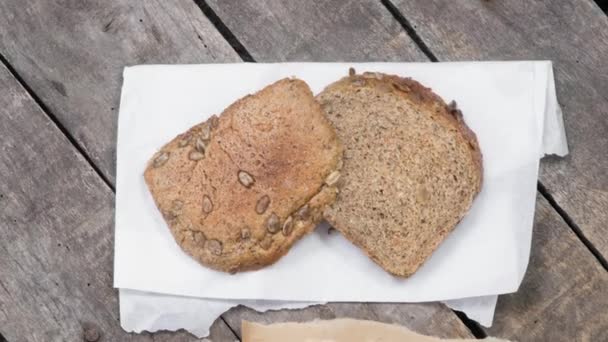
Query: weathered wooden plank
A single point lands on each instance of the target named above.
(574, 34)
(71, 53)
(430, 319)
(56, 228)
(275, 30)
(564, 295)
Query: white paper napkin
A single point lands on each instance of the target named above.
(505, 103)
(147, 311)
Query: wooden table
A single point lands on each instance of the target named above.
(60, 76)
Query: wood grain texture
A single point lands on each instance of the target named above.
(564, 294)
(72, 52)
(274, 30)
(574, 34)
(56, 223)
(429, 319)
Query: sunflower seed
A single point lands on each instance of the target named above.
(303, 213)
(245, 233)
(340, 164)
(402, 87)
(206, 132)
(207, 204)
(262, 204)
(199, 145)
(195, 155)
(332, 178)
(161, 159)
(288, 226)
(184, 141)
(214, 121)
(272, 224)
(199, 238)
(246, 179)
(266, 242)
(359, 82)
(214, 246)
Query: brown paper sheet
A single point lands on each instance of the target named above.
(338, 330)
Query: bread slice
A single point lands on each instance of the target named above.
(239, 190)
(411, 168)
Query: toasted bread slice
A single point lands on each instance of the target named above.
(239, 190)
(411, 168)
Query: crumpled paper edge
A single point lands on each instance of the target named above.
(555, 141)
(200, 313)
(168, 312)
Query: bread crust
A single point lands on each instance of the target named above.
(427, 102)
(257, 183)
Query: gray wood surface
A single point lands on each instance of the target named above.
(274, 30)
(56, 223)
(564, 295)
(430, 319)
(71, 54)
(574, 34)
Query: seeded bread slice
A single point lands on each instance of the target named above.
(239, 190)
(411, 168)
